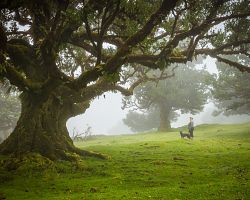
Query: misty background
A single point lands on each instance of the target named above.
(105, 115)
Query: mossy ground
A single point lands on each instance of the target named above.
(214, 165)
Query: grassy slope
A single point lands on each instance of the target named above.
(215, 165)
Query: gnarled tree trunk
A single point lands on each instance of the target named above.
(41, 128)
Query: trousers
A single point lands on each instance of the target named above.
(191, 132)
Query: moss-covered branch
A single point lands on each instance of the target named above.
(114, 63)
(17, 79)
(239, 66)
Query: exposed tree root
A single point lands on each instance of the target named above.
(90, 154)
(35, 161)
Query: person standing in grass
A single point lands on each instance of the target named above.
(191, 127)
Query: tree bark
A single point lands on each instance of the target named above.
(164, 118)
(41, 128)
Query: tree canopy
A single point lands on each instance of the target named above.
(52, 28)
(62, 54)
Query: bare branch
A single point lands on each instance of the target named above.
(143, 79)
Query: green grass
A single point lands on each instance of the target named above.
(215, 165)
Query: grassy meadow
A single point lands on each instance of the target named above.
(161, 166)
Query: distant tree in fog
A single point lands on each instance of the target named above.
(187, 91)
(231, 89)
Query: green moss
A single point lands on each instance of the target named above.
(27, 163)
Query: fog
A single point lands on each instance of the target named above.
(105, 114)
(105, 117)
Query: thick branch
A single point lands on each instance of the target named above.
(150, 60)
(232, 44)
(144, 78)
(111, 39)
(17, 78)
(239, 66)
(224, 18)
(224, 49)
